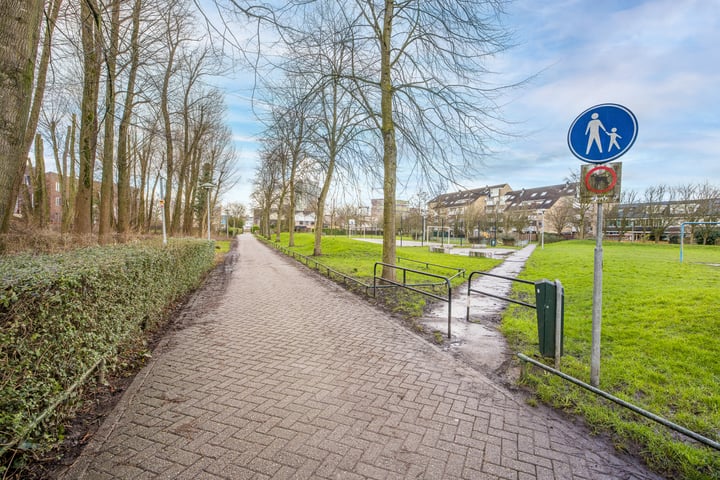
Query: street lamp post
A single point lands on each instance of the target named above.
(442, 231)
(542, 229)
(495, 232)
(207, 186)
(401, 230)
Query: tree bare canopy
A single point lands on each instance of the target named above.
(19, 37)
(135, 70)
(417, 68)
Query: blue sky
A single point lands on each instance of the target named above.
(659, 58)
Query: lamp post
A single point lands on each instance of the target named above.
(422, 237)
(442, 231)
(495, 227)
(207, 186)
(542, 229)
(401, 230)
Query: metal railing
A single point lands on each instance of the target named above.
(310, 262)
(319, 267)
(656, 418)
(412, 286)
(460, 271)
(500, 297)
(546, 331)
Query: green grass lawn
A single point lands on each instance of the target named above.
(222, 246)
(659, 349)
(357, 259)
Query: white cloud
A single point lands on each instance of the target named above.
(659, 58)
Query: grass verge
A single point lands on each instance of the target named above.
(660, 341)
(357, 259)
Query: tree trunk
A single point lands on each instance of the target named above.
(389, 145)
(169, 154)
(70, 177)
(320, 211)
(19, 37)
(91, 41)
(293, 172)
(123, 175)
(107, 199)
(61, 167)
(41, 202)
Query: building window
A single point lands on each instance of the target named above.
(57, 201)
(57, 186)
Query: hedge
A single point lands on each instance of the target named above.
(61, 314)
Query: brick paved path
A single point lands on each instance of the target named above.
(290, 376)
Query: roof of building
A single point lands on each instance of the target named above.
(540, 197)
(676, 208)
(463, 197)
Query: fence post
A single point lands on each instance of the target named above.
(449, 306)
(559, 294)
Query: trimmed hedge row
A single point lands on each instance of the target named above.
(61, 313)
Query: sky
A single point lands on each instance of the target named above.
(658, 58)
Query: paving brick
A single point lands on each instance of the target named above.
(287, 375)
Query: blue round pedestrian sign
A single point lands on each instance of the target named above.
(602, 133)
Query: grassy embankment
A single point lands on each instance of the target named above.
(357, 259)
(659, 348)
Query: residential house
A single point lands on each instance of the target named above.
(526, 210)
(458, 210)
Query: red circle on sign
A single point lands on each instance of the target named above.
(604, 189)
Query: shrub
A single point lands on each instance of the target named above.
(553, 238)
(61, 313)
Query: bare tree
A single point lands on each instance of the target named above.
(19, 34)
(657, 211)
(416, 66)
(265, 192)
(561, 215)
(123, 161)
(583, 207)
(703, 205)
(176, 34)
(290, 129)
(618, 212)
(237, 212)
(91, 35)
(107, 199)
(323, 56)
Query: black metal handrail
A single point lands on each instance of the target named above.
(500, 297)
(329, 271)
(674, 426)
(460, 271)
(317, 265)
(412, 286)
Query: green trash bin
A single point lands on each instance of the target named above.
(546, 306)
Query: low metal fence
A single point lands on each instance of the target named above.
(413, 286)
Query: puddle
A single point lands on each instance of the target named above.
(479, 342)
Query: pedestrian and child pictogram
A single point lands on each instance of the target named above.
(602, 133)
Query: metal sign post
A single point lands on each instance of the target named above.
(598, 135)
(597, 301)
(559, 313)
